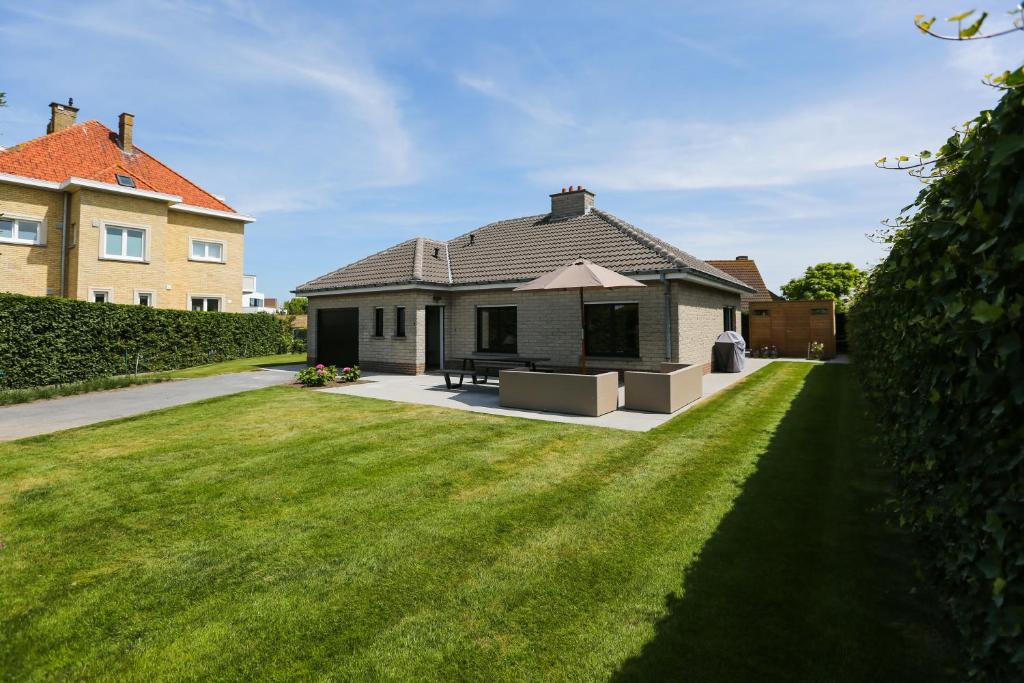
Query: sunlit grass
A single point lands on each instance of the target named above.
(290, 534)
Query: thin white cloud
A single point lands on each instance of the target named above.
(529, 104)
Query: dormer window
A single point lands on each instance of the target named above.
(124, 180)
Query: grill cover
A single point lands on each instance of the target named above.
(730, 350)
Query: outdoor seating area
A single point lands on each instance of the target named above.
(675, 386)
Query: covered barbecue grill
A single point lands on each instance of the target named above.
(729, 352)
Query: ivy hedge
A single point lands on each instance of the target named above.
(56, 341)
(937, 334)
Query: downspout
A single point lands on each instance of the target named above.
(667, 297)
(64, 248)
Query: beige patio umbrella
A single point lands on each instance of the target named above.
(581, 274)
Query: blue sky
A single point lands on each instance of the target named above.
(725, 128)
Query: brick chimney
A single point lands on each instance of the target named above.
(576, 201)
(742, 258)
(61, 116)
(124, 132)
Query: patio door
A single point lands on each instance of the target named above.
(337, 336)
(435, 337)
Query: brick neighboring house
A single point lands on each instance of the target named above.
(138, 232)
(745, 270)
(422, 303)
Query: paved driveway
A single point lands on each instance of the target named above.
(43, 417)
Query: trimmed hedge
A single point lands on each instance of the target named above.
(937, 336)
(55, 341)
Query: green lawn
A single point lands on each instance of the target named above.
(284, 533)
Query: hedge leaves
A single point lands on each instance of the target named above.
(56, 341)
(937, 333)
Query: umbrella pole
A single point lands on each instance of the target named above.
(583, 337)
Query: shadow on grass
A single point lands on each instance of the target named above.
(803, 579)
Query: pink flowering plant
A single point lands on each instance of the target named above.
(349, 374)
(318, 375)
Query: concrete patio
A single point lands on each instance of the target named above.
(483, 398)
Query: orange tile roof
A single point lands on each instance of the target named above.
(89, 150)
(746, 270)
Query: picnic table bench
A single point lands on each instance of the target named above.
(478, 367)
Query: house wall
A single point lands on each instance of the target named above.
(405, 355)
(699, 311)
(548, 325)
(31, 269)
(35, 270)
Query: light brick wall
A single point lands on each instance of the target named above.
(388, 353)
(35, 270)
(25, 269)
(122, 278)
(699, 311)
(548, 325)
(197, 277)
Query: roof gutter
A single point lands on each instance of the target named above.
(681, 274)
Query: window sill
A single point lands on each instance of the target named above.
(205, 260)
(22, 243)
(124, 260)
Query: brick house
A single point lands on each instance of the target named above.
(421, 303)
(137, 231)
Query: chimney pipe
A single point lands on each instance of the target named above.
(125, 122)
(61, 116)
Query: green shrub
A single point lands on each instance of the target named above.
(318, 376)
(46, 341)
(937, 335)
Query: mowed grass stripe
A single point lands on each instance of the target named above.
(284, 533)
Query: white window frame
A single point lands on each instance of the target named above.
(150, 293)
(223, 250)
(205, 297)
(109, 291)
(39, 241)
(129, 226)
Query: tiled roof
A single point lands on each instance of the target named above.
(517, 250)
(746, 270)
(90, 151)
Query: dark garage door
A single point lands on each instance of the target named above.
(337, 336)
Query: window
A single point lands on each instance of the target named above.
(124, 180)
(819, 311)
(100, 296)
(761, 312)
(378, 322)
(144, 298)
(126, 244)
(21, 230)
(613, 330)
(729, 318)
(255, 303)
(206, 303)
(496, 329)
(400, 321)
(204, 250)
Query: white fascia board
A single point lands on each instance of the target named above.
(28, 182)
(689, 277)
(188, 208)
(74, 183)
(673, 275)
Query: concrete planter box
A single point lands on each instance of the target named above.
(666, 391)
(554, 392)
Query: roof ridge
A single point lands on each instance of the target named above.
(358, 261)
(640, 236)
(448, 261)
(417, 260)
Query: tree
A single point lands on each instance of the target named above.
(3, 99)
(297, 306)
(836, 281)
